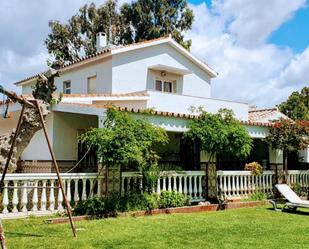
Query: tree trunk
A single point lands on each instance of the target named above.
(29, 126)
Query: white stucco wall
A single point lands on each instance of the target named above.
(181, 104)
(65, 133)
(131, 71)
(79, 77)
(38, 149)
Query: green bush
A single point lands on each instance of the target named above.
(257, 196)
(97, 207)
(109, 206)
(170, 199)
(298, 189)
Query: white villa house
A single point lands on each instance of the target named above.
(158, 74)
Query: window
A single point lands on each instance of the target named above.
(166, 86)
(67, 87)
(159, 85)
(92, 84)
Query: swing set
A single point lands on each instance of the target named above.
(8, 97)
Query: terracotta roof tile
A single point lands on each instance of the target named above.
(262, 114)
(166, 114)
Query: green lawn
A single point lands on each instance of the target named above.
(242, 228)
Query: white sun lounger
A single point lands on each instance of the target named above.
(293, 200)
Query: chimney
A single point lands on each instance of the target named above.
(101, 41)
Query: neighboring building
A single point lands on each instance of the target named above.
(158, 74)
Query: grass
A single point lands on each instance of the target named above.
(257, 227)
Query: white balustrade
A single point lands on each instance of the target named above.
(186, 182)
(40, 193)
(300, 178)
(242, 183)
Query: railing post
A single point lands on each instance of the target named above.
(52, 196)
(35, 197)
(43, 197)
(5, 201)
(24, 199)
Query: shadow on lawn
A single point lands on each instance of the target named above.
(298, 212)
(17, 234)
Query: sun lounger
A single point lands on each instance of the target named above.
(292, 200)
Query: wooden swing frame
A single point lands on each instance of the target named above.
(36, 105)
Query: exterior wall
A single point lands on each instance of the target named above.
(181, 104)
(257, 131)
(7, 125)
(131, 73)
(27, 88)
(38, 149)
(79, 77)
(65, 132)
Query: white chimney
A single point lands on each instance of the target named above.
(101, 41)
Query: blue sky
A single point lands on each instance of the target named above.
(260, 48)
(294, 33)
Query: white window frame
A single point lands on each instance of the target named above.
(173, 83)
(67, 90)
(95, 90)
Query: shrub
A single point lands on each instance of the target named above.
(255, 168)
(298, 189)
(257, 196)
(98, 207)
(172, 199)
(109, 206)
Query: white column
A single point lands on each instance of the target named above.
(158, 186)
(5, 201)
(76, 196)
(60, 199)
(180, 184)
(35, 197)
(175, 184)
(52, 196)
(200, 188)
(169, 183)
(229, 188)
(69, 198)
(84, 195)
(185, 188)
(194, 187)
(24, 199)
(15, 198)
(43, 197)
(237, 185)
(99, 187)
(164, 183)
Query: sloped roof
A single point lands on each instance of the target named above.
(266, 115)
(110, 50)
(160, 113)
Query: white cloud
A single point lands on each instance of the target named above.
(253, 21)
(231, 36)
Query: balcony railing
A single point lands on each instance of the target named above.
(187, 182)
(243, 184)
(39, 193)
